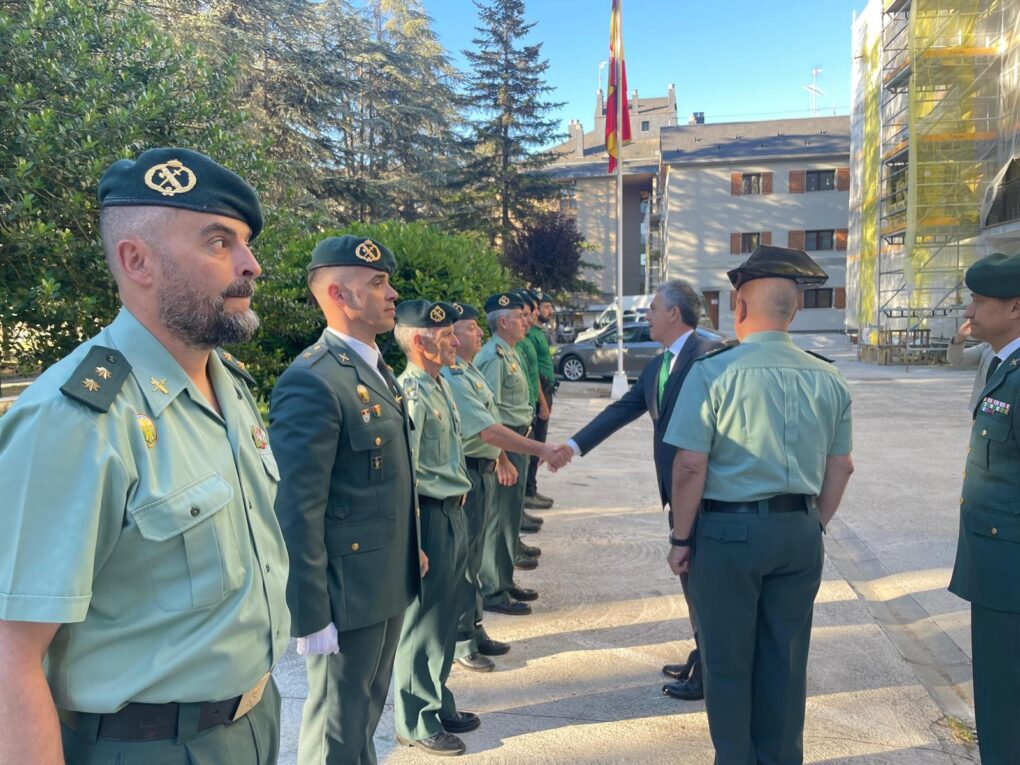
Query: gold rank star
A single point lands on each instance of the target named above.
(159, 386)
(104, 373)
(90, 384)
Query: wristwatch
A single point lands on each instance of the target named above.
(679, 542)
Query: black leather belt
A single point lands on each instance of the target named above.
(424, 501)
(480, 464)
(781, 503)
(151, 722)
(520, 429)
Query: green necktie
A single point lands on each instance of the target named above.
(992, 366)
(667, 358)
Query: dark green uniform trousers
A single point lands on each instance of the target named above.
(502, 532)
(995, 640)
(753, 581)
(425, 650)
(346, 694)
(252, 740)
(476, 512)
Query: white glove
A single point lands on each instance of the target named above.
(321, 643)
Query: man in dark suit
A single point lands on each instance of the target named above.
(672, 319)
(347, 503)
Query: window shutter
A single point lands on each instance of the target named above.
(734, 244)
(840, 238)
(840, 297)
(733, 300)
(843, 179)
(798, 179)
(766, 183)
(766, 237)
(736, 184)
(795, 240)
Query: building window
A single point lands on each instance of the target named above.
(750, 183)
(821, 180)
(568, 198)
(818, 240)
(820, 298)
(645, 126)
(749, 241)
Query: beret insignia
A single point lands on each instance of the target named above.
(170, 178)
(437, 313)
(504, 300)
(368, 251)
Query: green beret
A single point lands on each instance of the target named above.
(768, 262)
(351, 250)
(995, 275)
(180, 178)
(527, 298)
(502, 301)
(465, 311)
(545, 299)
(425, 313)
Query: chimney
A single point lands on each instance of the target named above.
(576, 138)
(600, 113)
(671, 102)
(697, 118)
(633, 98)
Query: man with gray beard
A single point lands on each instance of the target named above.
(142, 589)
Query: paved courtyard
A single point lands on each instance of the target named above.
(889, 675)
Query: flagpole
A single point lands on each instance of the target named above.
(620, 378)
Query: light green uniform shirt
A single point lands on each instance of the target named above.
(438, 453)
(541, 344)
(477, 408)
(146, 531)
(507, 379)
(767, 414)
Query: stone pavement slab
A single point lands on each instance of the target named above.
(889, 656)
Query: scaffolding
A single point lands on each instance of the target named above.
(940, 123)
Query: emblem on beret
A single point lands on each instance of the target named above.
(170, 178)
(148, 430)
(368, 251)
(460, 309)
(504, 300)
(437, 313)
(362, 393)
(258, 435)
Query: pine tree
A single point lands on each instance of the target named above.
(506, 94)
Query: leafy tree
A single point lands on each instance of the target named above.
(548, 252)
(83, 83)
(506, 93)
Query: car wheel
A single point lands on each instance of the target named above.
(573, 369)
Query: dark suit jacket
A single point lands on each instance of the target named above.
(643, 397)
(346, 500)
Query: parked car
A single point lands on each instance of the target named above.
(596, 357)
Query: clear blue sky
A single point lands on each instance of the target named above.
(732, 59)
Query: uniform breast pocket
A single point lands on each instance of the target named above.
(190, 545)
(373, 444)
(992, 435)
(435, 438)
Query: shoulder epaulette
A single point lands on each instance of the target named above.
(500, 352)
(98, 379)
(410, 386)
(236, 366)
(715, 352)
(311, 354)
(820, 356)
(456, 369)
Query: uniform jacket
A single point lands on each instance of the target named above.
(987, 570)
(346, 503)
(643, 397)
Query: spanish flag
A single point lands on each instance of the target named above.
(614, 141)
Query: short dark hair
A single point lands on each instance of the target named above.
(679, 294)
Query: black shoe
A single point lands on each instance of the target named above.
(688, 690)
(476, 663)
(534, 503)
(527, 526)
(531, 518)
(489, 647)
(676, 671)
(509, 607)
(539, 495)
(461, 722)
(444, 744)
(530, 550)
(525, 563)
(522, 593)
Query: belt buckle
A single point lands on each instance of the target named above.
(250, 698)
